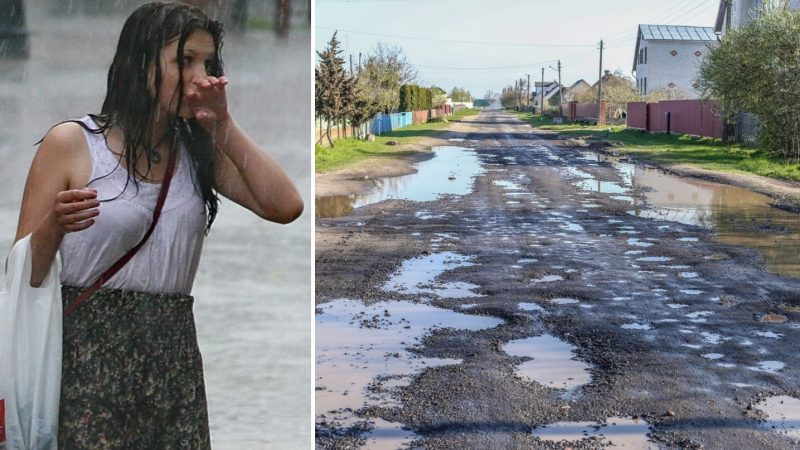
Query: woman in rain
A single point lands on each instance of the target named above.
(132, 372)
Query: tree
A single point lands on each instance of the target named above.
(460, 95)
(757, 69)
(384, 71)
(618, 90)
(438, 97)
(333, 87)
(658, 95)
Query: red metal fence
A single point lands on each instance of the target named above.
(694, 117)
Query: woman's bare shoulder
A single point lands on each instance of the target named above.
(64, 150)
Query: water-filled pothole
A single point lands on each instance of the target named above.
(358, 345)
(450, 171)
(615, 432)
(418, 276)
(783, 415)
(553, 362)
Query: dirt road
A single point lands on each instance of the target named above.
(679, 341)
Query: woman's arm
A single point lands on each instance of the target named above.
(245, 173)
(53, 203)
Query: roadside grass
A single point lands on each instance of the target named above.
(347, 151)
(663, 149)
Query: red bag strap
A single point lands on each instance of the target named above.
(162, 196)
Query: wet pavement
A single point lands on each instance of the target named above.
(633, 278)
(253, 284)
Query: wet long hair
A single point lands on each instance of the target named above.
(134, 81)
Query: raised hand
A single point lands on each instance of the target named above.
(206, 96)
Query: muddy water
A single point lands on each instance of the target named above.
(450, 171)
(738, 216)
(616, 432)
(358, 346)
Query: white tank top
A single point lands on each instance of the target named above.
(168, 261)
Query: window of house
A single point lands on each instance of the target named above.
(645, 55)
(645, 86)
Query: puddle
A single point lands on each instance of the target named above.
(507, 185)
(773, 318)
(688, 274)
(769, 366)
(357, 343)
(418, 276)
(450, 171)
(552, 364)
(530, 307)
(738, 216)
(388, 435)
(548, 279)
(769, 334)
(691, 291)
(564, 301)
(637, 326)
(713, 356)
(616, 432)
(638, 243)
(654, 259)
(783, 415)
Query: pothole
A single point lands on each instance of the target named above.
(418, 276)
(358, 346)
(553, 362)
(783, 415)
(615, 432)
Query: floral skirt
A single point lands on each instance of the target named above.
(132, 374)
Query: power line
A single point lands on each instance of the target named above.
(454, 41)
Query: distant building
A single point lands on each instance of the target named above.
(577, 88)
(668, 57)
(548, 89)
(734, 15)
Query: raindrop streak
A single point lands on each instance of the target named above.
(553, 362)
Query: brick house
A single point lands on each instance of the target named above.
(668, 56)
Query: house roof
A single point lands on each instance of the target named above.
(672, 33)
(676, 33)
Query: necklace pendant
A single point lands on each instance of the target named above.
(154, 156)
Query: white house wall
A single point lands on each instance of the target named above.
(662, 68)
(745, 11)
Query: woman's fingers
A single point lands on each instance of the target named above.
(75, 195)
(74, 209)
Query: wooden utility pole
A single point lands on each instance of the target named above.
(600, 86)
(541, 96)
(351, 64)
(560, 92)
(528, 98)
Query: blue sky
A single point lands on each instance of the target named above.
(485, 45)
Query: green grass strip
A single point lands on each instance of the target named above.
(663, 149)
(348, 151)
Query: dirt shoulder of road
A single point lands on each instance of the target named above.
(783, 194)
(354, 179)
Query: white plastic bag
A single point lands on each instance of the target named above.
(30, 353)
